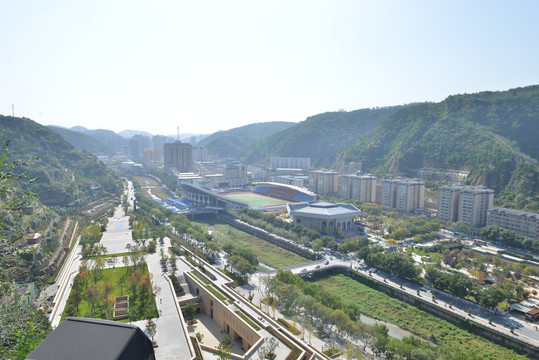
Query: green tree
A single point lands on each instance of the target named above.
(22, 327)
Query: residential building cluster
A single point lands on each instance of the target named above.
(458, 202)
(405, 195)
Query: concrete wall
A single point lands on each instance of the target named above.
(224, 317)
(461, 321)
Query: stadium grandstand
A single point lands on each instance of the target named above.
(285, 192)
(263, 196)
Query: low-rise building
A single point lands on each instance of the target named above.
(326, 217)
(522, 222)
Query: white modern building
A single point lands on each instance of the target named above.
(326, 217)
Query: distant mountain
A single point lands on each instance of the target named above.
(491, 134)
(108, 138)
(230, 143)
(128, 134)
(78, 128)
(66, 175)
(320, 137)
(82, 141)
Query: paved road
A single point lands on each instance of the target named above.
(525, 332)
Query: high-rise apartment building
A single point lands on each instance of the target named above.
(152, 159)
(465, 203)
(403, 194)
(474, 201)
(137, 144)
(358, 187)
(448, 202)
(522, 222)
(410, 195)
(236, 175)
(178, 156)
(389, 192)
(324, 182)
(200, 153)
(158, 142)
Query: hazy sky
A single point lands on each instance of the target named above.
(214, 65)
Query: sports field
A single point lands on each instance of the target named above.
(255, 199)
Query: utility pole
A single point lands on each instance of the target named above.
(13, 110)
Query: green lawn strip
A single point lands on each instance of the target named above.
(118, 277)
(267, 252)
(383, 307)
(248, 320)
(216, 292)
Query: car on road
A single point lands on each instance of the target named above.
(317, 266)
(326, 262)
(304, 270)
(513, 324)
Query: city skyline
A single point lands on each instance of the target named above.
(216, 66)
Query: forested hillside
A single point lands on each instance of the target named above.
(491, 134)
(82, 141)
(229, 143)
(320, 137)
(109, 138)
(65, 174)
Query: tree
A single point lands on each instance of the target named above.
(22, 327)
(317, 245)
(189, 309)
(151, 328)
(223, 352)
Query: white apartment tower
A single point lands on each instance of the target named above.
(324, 182)
(448, 202)
(474, 203)
(359, 187)
(403, 194)
(389, 192)
(410, 195)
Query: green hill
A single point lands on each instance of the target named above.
(320, 137)
(109, 138)
(82, 141)
(66, 175)
(229, 143)
(491, 134)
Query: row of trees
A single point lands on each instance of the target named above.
(329, 314)
(509, 238)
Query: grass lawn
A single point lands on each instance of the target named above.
(256, 200)
(268, 253)
(383, 307)
(141, 307)
(157, 190)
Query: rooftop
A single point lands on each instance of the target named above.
(83, 338)
(323, 210)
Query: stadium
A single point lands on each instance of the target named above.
(264, 196)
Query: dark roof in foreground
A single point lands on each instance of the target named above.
(83, 338)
